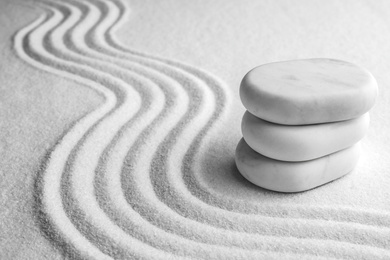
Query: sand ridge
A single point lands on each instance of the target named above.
(122, 182)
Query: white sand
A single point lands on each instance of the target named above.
(111, 149)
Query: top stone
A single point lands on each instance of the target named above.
(311, 91)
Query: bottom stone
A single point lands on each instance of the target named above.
(285, 176)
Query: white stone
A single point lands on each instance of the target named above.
(310, 91)
(301, 143)
(294, 176)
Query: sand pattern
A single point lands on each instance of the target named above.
(123, 182)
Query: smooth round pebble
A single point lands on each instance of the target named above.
(285, 176)
(301, 143)
(311, 91)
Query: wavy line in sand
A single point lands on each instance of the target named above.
(83, 157)
(58, 19)
(80, 182)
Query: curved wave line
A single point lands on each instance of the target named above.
(168, 120)
(113, 164)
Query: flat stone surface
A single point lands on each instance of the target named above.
(308, 91)
(301, 143)
(294, 176)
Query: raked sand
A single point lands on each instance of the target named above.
(119, 120)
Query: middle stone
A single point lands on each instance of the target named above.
(301, 142)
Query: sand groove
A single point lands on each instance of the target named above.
(123, 182)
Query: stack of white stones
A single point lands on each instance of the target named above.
(303, 123)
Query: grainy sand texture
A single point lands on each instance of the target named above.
(119, 120)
